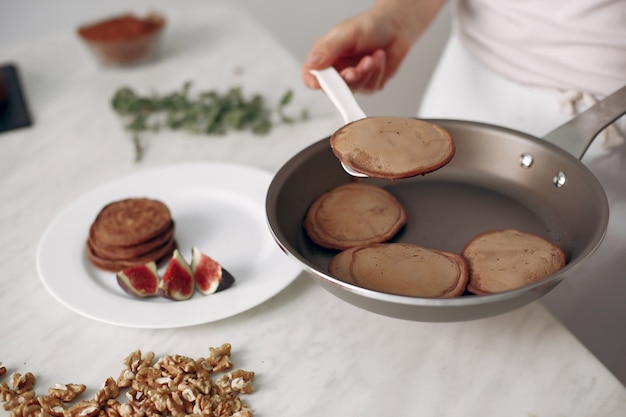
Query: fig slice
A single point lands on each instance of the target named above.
(209, 275)
(177, 282)
(140, 281)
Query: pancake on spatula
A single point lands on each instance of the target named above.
(354, 214)
(402, 269)
(392, 147)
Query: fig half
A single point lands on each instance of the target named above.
(209, 275)
(177, 282)
(139, 281)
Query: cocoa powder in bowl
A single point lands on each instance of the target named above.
(124, 40)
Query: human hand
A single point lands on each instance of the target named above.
(368, 49)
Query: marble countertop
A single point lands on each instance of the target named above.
(312, 353)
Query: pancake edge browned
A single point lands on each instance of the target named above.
(338, 268)
(129, 252)
(159, 255)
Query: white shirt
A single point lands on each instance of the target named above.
(570, 45)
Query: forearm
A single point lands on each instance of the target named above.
(413, 17)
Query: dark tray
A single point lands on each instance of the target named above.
(13, 107)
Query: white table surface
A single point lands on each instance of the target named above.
(312, 353)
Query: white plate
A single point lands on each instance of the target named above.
(218, 207)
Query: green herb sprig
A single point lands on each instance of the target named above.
(208, 112)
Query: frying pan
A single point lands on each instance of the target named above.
(498, 178)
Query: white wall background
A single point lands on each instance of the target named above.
(295, 23)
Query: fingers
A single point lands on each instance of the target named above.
(325, 52)
(311, 62)
(368, 48)
(368, 75)
(349, 47)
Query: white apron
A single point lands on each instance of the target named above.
(592, 300)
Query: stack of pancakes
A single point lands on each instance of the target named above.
(131, 232)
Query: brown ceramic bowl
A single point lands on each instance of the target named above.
(126, 39)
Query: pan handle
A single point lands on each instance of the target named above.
(576, 135)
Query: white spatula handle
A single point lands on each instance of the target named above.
(339, 94)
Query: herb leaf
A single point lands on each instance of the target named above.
(206, 113)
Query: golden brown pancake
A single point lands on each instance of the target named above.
(131, 232)
(402, 269)
(339, 265)
(392, 147)
(502, 260)
(130, 222)
(354, 214)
